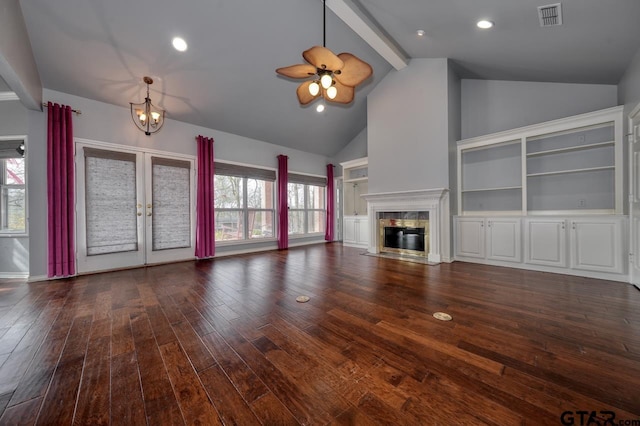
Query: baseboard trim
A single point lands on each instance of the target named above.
(37, 278)
(14, 275)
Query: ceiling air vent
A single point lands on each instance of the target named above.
(550, 15)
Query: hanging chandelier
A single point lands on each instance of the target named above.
(333, 77)
(146, 116)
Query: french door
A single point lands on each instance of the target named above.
(133, 208)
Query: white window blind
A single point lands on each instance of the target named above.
(171, 204)
(110, 201)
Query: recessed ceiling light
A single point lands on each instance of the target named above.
(320, 107)
(179, 44)
(420, 33)
(484, 24)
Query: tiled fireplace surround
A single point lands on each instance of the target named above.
(434, 201)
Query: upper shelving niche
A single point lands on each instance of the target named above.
(567, 166)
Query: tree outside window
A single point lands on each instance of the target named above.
(306, 208)
(244, 208)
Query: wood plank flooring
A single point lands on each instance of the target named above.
(223, 341)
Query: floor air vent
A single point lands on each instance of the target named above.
(550, 15)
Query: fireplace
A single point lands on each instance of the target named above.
(403, 236)
(431, 206)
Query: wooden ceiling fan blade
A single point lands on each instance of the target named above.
(345, 94)
(355, 70)
(319, 56)
(303, 93)
(297, 71)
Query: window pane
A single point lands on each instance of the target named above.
(260, 224)
(316, 197)
(228, 192)
(15, 171)
(296, 195)
(111, 205)
(259, 194)
(316, 221)
(171, 207)
(229, 225)
(296, 222)
(13, 209)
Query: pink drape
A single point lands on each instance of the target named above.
(205, 217)
(328, 234)
(283, 209)
(60, 192)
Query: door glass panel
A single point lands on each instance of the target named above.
(171, 204)
(110, 202)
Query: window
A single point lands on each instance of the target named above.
(244, 202)
(13, 197)
(306, 201)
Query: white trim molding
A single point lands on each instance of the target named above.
(435, 201)
(9, 96)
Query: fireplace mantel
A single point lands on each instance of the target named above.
(435, 201)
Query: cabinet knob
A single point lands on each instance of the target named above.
(573, 225)
(562, 225)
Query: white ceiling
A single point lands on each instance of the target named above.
(226, 80)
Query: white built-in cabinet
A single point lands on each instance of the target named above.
(546, 197)
(491, 238)
(545, 241)
(356, 231)
(355, 178)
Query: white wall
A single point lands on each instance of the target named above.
(629, 86)
(357, 148)
(15, 250)
(109, 123)
(490, 106)
(408, 128)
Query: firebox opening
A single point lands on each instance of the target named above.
(405, 238)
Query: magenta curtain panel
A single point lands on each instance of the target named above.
(283, 208)
(328, 234)
(60, 192)
(205, 218)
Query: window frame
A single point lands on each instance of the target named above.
(5, 233)
(245, 211)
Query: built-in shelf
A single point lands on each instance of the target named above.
(492, 189)
(562, 172)
(570, 164)
(571, 148)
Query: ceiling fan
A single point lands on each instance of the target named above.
(334, 77)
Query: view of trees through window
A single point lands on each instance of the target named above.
(244, 208)
(12, 195)
(306, 208)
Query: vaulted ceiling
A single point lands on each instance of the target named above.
(226, 79)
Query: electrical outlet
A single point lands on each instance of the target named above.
(582, 202)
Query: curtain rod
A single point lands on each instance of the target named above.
(77, 111)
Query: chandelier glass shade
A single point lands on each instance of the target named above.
(146, 116)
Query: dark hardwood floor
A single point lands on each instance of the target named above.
(225, 342)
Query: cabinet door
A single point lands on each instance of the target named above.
(546, 242)
(596, 245)
(350, 232)
(470, 237)
(362, 231)
(503, 239)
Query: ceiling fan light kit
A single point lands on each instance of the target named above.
(334, 77)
